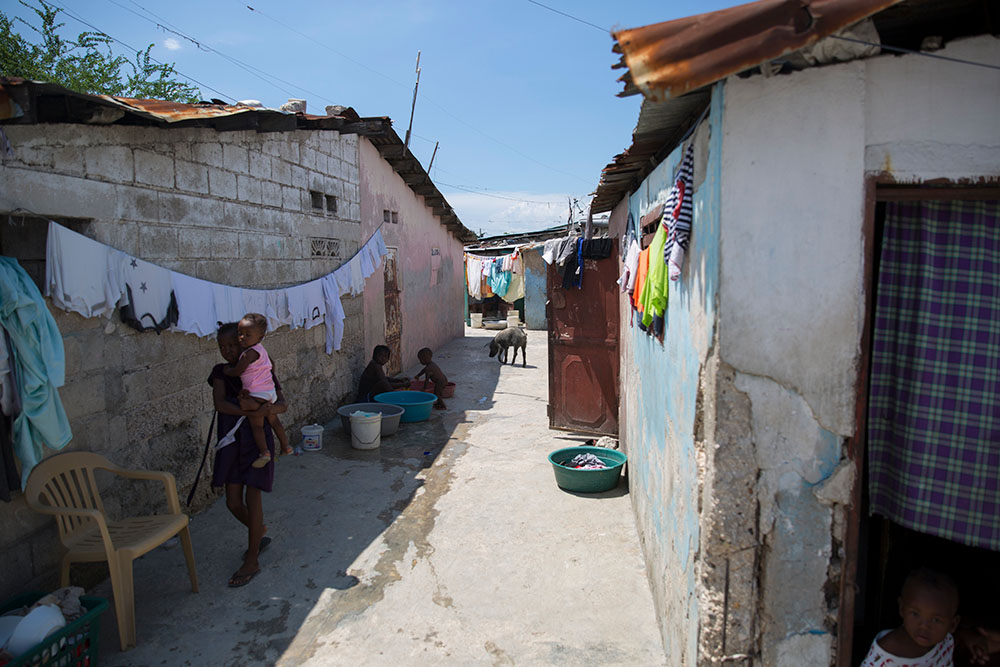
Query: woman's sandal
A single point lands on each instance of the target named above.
(242, 578)
(261, 461)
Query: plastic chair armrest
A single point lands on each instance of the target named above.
(169, 485)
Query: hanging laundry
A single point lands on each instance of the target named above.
(150, 303)
(627, 279)
(152, 297)
(499, 279)
(335, 313)
(515, 290)
(306, 304)
(596, 248)
(10, 404)
(474, 276)
(82, 275)
(678, 213)
(654, 292)
(39, 366)
(550, 250)
(195, 305)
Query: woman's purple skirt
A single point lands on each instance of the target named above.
(233, 463)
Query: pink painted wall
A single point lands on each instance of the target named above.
(431, 314)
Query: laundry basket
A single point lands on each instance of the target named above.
(74, 645)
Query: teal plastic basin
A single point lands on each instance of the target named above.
(587, 481)
(416, 404)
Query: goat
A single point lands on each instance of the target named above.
(510, 337)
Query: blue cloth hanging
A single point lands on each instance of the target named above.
(39, 363)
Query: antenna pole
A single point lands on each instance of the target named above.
(413, 107)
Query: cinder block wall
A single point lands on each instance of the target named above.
(229, 207)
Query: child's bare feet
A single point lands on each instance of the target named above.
(261, 461)
(287, 450)
(440, 405)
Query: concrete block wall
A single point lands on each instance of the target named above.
(233, 208)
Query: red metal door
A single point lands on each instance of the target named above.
(583, 349)
(393, 318)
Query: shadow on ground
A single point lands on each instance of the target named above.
(335, 519)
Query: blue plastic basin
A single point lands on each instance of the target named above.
(416, 404)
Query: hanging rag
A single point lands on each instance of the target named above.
(39, 366)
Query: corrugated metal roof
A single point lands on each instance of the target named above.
(660, 126)
(28, 102)
(31, 102)
(673, 64)
(669, 59)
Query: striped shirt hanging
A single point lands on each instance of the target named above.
(677, 213)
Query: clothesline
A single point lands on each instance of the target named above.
(85, 276)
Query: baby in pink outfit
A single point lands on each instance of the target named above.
(254, 371)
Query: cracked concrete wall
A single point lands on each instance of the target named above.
(774, 397)
(794, 366)
(229, 207)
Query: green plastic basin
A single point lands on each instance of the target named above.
(587, 481)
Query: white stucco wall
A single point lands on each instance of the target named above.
(796, 152)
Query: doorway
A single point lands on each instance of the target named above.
(393, 316)
(928, 437)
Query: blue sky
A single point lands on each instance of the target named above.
(522, 99)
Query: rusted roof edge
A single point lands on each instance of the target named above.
(666, 60)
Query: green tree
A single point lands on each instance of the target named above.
(86, 64)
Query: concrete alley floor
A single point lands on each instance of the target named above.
(449, 545)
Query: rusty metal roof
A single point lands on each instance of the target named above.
(674, 64)
(667, 60)
(32, 102)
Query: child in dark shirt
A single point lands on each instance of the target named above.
(432, 374)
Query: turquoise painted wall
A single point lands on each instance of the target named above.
(661, 379)
(535, 293)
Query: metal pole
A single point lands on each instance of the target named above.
(406, 144)
(432, 158)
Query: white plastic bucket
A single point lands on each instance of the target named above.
(477, 320)
(366, 430)
(512, 319)
(312, 438)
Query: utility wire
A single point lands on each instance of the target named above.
(486, 194)
(166, 26)
(570, 16)
(900, 49)
(137, 51)
(406, 86)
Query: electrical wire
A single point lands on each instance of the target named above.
(900, 49)
(486, 194)
(570, 16)
(266, 77)
(137, 52)
(428, 100)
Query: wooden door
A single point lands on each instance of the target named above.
(393, 317)
(583, 349)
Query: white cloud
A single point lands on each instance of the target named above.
(171, 44)
(492, 215)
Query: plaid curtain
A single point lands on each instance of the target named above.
(934, 403)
